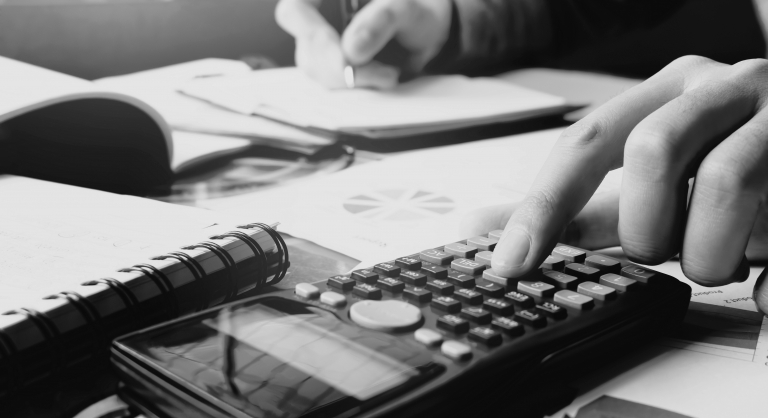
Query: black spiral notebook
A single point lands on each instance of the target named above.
(79, 267)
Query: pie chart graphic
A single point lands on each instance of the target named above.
(399, 205)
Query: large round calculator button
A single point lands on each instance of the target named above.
(385, 315)
(332, 298)
(456, 350)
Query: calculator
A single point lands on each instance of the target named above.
(436, 333)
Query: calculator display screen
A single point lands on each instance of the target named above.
(279, 357)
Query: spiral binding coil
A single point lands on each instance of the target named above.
(284, 263)
(52, 336)
(226, 259)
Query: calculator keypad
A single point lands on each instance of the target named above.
(474, 308)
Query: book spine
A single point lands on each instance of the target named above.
(36, 349)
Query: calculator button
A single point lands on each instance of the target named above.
(484, 257)
(418, 295)
(391, 285)
(539, 289)
(408, 263)
(367, 291)
(560, 280)
(428, 337)
(434, 271)
(573, 300)
(343, 283)
(460, 279)
(499, 306)
(604, 264)
(492, 290)
(582, 272)
(597, 291)
(620, 283)
(453, 324)
(436, 257)
(508, 326)
(413, 278)
(385, 315)
(486, 336)
(638, 273)
(460, 250)
(491, 276)
(441, 287)
(467, 266)
(496, 233)
(306, 290)
(569, 254)
(387, 269)
(520, 300)
(531, 318)
(468, 296)
(477, 315)
(446, 304)
(553, 263)
(551, 310)
(483, 243)
(365, 276)
(333, 299)
(455, 350)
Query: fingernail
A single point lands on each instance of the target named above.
(742, 273)
(511, 251)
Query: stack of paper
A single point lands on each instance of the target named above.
(425, 105)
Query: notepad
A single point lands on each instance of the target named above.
(424, 105)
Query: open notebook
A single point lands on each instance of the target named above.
(424, 105)
(79, 267)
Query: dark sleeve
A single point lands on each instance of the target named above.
(489, 34)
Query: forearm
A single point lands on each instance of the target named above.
(488, 34)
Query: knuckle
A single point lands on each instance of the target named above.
(727, 175)
(652, 150)
(752, 67)
(689, 62)
(540, 203)
(581, 134)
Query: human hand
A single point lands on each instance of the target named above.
(695, 118)
(420, 26)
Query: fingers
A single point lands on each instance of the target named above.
(760, 294)
(374, 26)
(376, 75)
(318, 45)
(728, 194)
(660, 156)
(594, 227)
(583, 155)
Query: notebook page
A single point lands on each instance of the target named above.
(54, 237)
(287, 94)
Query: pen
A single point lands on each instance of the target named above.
(348, 10)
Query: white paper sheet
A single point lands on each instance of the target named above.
(403, 204)
(288, 95)
(158, 88)
(54, 237)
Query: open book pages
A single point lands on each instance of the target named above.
(158, 87)
(426, 104)
(54, 237)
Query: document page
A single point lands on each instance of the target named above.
(54, 237)
(288, 95)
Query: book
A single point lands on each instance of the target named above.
(79, 267)
(421, 106)
(115, 135)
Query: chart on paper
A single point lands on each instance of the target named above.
(399, 205)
